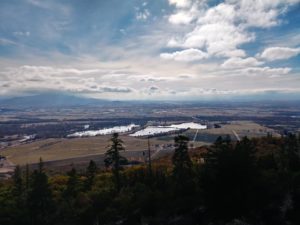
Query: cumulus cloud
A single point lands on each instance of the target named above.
(221, 12)
(129, 86)
(221, 39)
(182, 17)
(277, 53)
(241, 63)
(121, 57)
(187, 55)
(222, 29)
(214, 31)
(257, 13)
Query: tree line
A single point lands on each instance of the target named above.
(252, 181)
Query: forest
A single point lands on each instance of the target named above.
(250, 182)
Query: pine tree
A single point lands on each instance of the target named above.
(114, 159)
(182, 163)
(39, 199)
(90, 174)
(290, 151)
(27, 173)
(73, 185)
(229, 179)
(18, 182)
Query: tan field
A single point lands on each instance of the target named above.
(57, 149)
(242, 128)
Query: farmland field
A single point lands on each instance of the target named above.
(64, 148)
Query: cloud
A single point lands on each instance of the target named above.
(206, 92)
(185, 76)
(266, 71)
(4, 42)
(52, 71)
(185, 15)
(153, 88)
(258, 13)
(149, 78)
(187, 55)
(143, 15)
(221, 30)
(121, 52)
(94, 82)
(22, 33)
(51, 78)
(128, 85)
(5, 85)
(278, 53)
(50, 5)
(182, 17)
(221, 12)
(220, 39)
(214, 31)
(180, 3)
(241, 63)
(115, 89)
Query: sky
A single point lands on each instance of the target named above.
(150, 49)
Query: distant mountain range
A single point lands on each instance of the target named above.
(61, 99)
(45, 100)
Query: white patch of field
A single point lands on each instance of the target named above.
(151, 130)
(191, 125)
(105, 131)
(154, 130)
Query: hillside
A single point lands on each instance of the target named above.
(48, 100)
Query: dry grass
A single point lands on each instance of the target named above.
(57, 149)
(242, 128)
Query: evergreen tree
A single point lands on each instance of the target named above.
(114, 159)
(39, 199)
(27, 174)
(230, 179)
(73, 185)
(90, 174)
(182, 164)
(18, 182)
(18, 195)
(290, 153)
